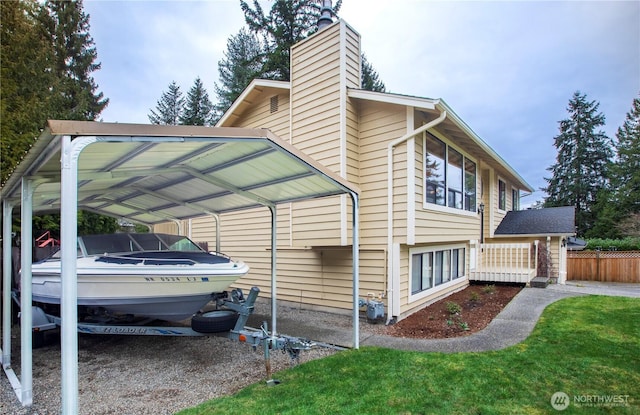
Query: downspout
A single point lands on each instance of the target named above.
(391, 275)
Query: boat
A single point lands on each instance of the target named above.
(151, 275)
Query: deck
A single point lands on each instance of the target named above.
(504, 262)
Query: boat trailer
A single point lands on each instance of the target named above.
(235, 302)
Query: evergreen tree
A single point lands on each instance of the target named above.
(25, 79)
(625, 177)
(370, 79)
(288, 22)
(580, 171)
(169, 108)
(198, 108)
(75, 95)
(242, 63)
(626, 171)
(47, 59)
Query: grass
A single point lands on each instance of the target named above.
(583, 346)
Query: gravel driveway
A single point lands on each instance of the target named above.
(150, 375)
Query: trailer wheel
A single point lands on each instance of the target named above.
(214, 321)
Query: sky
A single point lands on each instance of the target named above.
(507, 68)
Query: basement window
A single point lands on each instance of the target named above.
(433, 268)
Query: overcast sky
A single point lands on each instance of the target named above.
(507, 68)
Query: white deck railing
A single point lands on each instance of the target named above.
(504, 262)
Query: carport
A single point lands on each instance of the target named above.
(146, 174)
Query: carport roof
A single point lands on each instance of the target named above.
(154, 173)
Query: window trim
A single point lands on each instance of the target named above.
(439, 208)
(444, 286)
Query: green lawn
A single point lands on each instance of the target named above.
(587, 347)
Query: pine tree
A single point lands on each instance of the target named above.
(242, 63)
(580, 171)
(198, 108)
(370, 79)
(288, 22)
(169, 108)
(75, 92)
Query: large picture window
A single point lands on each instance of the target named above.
(450, 177)
(432, 268)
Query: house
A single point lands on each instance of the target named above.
(433, 193)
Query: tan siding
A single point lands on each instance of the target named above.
(320, 121)
(317, 222)
(167, 227)
(352, 63)
(379, 125)
(259, 115)
(353, 144)
(319, 277)
(316, 124)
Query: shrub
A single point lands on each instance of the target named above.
(626, 244)
(489, 289)
(453, 308)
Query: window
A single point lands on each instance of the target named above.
(515, 199)
(450, 177)
(469, 185)
(435, 170)
(429, 269)
(502, 195)
(454, 178)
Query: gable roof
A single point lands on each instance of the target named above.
(246, 98)
(453, 125)
(545, 222)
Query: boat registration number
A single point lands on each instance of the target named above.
(177, 279)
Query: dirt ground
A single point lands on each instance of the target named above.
(460, 314)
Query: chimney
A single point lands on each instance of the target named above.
(325, 15)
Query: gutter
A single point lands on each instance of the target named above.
(393, 282)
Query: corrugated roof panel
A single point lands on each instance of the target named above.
(228, 153)
(153, 173)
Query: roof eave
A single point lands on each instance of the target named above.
(532, 235)
(396, 99)
(254, 85)
(442, 105)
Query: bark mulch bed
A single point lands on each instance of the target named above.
(460, 314)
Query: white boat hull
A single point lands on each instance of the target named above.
(167, 293)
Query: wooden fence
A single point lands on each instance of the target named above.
(604, 266)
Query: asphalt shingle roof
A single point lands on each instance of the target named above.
(547, 221)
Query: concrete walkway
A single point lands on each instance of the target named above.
(511, 326)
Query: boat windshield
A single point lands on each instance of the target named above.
(120, 243)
